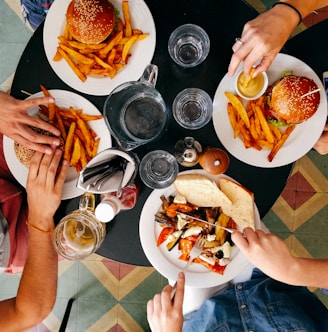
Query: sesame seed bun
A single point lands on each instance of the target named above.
(287, 103)
(90, 21)
(24, 154)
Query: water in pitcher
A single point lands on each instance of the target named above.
(144, 118)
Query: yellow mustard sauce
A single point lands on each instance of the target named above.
(254, 86)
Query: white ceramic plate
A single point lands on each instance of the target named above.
(63, 99)
(302, 138)
(167, 262)
(141, 53)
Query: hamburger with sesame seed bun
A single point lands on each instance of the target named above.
(291, 100)
(90, 21)
(25, 154)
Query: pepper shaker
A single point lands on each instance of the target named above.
(187, 151)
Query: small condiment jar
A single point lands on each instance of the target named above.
(187, 151)
(111, 203)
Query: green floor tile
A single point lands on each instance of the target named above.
(274, 224)
(90, 288)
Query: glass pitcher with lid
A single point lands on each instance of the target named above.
(79, 234)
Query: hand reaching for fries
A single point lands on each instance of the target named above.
(252, 126)
(16, 123)
(105, 59)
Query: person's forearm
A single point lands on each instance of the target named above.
(307, 272)
(37, 291)
(305, 7)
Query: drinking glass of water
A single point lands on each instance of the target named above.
(192, 108)
(189, 45)
(158, 169)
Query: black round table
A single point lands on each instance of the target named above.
(223, 21)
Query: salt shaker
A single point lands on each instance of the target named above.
(112, 203)
(187, 151)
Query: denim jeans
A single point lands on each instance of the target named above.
(260, 304)
(35, 11)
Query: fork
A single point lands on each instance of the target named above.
(195, 251)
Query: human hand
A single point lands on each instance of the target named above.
(164, 314)
(321, 145)
(15, 123)
(44, 187)
(262, 39)
(267, 252)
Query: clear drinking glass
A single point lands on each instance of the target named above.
(189, 45)
(158, 169)
(192, 108)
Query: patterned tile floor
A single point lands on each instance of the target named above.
(110, 296)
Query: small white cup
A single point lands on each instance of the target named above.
(256, 87)
(189, 45)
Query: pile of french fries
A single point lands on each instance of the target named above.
(103, 59)
(251, 125)
(80, 141)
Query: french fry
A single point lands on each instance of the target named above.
(111, 56)
(127, 21)
(102, 63)
(51, 106)
(264, 143)
(66, 33)
(87, 117)
(127, 47)
(61, 125)
(83, 156)
(246, 137)
(76, 55)
(276, 132)
(66, 114)
(95, 147)
(237, 104)
(113, 42)
(279, 144)
(76, 154)
(76, 70)
(86, 133)
(248, 78)
(69, 141)
(57, 57)
(232, 116)
(264, 124)
(252, 129)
